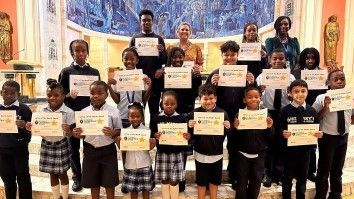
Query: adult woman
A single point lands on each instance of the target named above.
(282, 40)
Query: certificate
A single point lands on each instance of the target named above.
(276, 78)
(47, 124)
(172, 133)
(256, 119)
(250, 52)
(188, 64)
(8, 122)
(315, 79)
(82, 83)
(209, 123)
(341, 99)
(232, 75)
(129, 80)
(134, 139)
(302, 134)
(147, 46)
(178, 77)
(91, 122)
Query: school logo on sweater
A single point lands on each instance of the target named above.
(292, 120)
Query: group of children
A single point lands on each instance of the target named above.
(248, 149)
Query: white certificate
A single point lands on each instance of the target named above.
(8, 122)
(315, 79)
(134, 139)
(252, 119)
(47, 124)
(250, 52)
(178, 77)
(91, 122)
(129, 80)
(172, 133)
(82, 83)
(276, 78)
(232, 75)
(302, 134)
(188, 64)
(341, 99)
(147, 46)
(209, 123)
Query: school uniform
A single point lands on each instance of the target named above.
(55, 150)
(14, 155)
(138, 175)
(208, 153)
(100, 164)
(332, 149)
(169, 158)
(296, 158)
(249, 150)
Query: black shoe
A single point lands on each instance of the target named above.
(267, 182)
(182, 186)
(76, 186)
(312, 177)
(233, 186)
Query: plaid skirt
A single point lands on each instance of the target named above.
(55, 156)
(137, 180)
(169, 167)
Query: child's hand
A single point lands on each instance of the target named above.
(187, 136)
(159, 73)
(262, 87)
(250, 78)
(197, 69)
(108, 131)
(152, 142)
(28, 126)
(20, 123)
(160, 48)
(236, 123)
(227, 124)
(74, 93)
(215, 79)
(269, 122)
(191, 123)
(117, 140)
(77, 131)
(111, 81)
(286, 134)
(318, 134)
(327, 101)
(147, 81)
(66, 129)
(263, 54)
(157, 135)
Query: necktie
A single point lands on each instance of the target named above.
(300, 118)
(277, 99)
(340, 122)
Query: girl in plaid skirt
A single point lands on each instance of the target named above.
(55, 151)
(138, 175)
(169, 168)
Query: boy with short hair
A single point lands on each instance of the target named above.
(14, 153)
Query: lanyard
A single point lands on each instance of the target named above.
(130, 100)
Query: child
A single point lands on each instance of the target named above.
(14, 155)
(296, 158)
(100, 164)
(251, 147)
(55, 151)
(208, 149)
(138, 175)
(333, 145)
(123, 99)
(274, 99)
(229, 98)
(79, 50)
(250, 35)
(169, 158)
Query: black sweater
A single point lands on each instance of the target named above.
(156, 119)
(209, 144)
(23, 137)
(64, 79)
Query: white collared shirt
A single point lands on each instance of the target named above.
(68, 116)
(296, 105)
(76, 64)
(162, 113)
(137, 159)
(114, 121)
(15, 103)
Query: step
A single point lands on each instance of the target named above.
(41, 189)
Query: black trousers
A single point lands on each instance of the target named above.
(312, 166)
(14, 167)
(154, 102)
(332, 151)
(296, 165)
(248, 173)
(75, 158)
(231, 166)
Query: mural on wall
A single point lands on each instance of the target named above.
(209, 18)
(5, 37)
